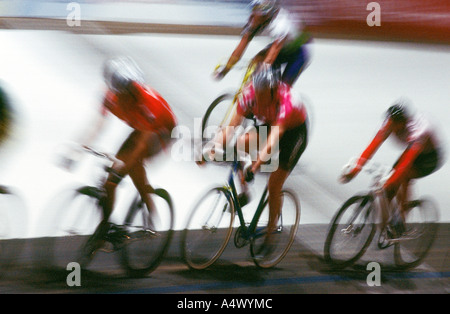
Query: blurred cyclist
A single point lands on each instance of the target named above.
(422, 156)
(144, 110)
(5, 116)
(270, 103)
(288, 41)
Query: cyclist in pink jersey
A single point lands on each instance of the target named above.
(422, 156)
(270, 103)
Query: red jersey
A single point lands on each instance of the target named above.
(148, 111)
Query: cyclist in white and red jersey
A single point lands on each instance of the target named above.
(422, 156)
(271, 104)
(288, 46)
(144, 110)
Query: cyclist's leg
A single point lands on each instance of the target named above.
(153, 146)
(296, 61)
(292, 145)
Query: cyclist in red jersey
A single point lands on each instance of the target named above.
(269, 102)
(144, 110)
(422, 156)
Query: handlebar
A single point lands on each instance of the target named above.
(378, 171)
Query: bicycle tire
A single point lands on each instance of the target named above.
(420, 232)
(144, 251)
(74, 223)
(217, 115)
(204, 240)
(341, 254)
(284, 236)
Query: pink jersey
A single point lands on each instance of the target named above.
(289, 112)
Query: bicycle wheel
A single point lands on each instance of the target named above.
(13, 227)
(218, 114)
(77, 215)
(420, 231)
(149, 235)
(208, 229)
(284, 235)
(350, 232)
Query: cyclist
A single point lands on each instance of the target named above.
(288, 41)
(144, 110)
(5, 116)
(422, 156)
(270, 103)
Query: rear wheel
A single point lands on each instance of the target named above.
(284, 235)
(149, 236)
(350, 232)
(420, 232)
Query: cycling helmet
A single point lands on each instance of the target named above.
(120, 72)
(398, 112)
(265, 7)
(265, 79)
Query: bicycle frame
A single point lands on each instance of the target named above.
(248, 73)
(250, 230)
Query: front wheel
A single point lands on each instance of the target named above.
(73, 216)
(284, 235)
(350, 232)
(218, 115)
(420, 231)
(149, 235)
(208, 229)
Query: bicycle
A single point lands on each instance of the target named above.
(142, 241)
(354, 225)
(211, 224)
(13, 226)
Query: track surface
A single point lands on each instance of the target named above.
(303, 271)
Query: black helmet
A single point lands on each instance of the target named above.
(398, 112)
(120, 72)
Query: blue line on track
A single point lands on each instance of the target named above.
(276, 282)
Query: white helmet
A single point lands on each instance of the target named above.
(120, 72)
(265, 7)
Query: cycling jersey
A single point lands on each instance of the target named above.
(423, 148)
(282, 26)
(289, 113)
(149, 112)
(294, 54)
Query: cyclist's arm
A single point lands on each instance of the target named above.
(228, 131)
(274, 50)
(276, 132)
(95, 127)
(238, 52)
(376, 142)
(379, 139)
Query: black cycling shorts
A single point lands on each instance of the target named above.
(291, 146)
(425, 164)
